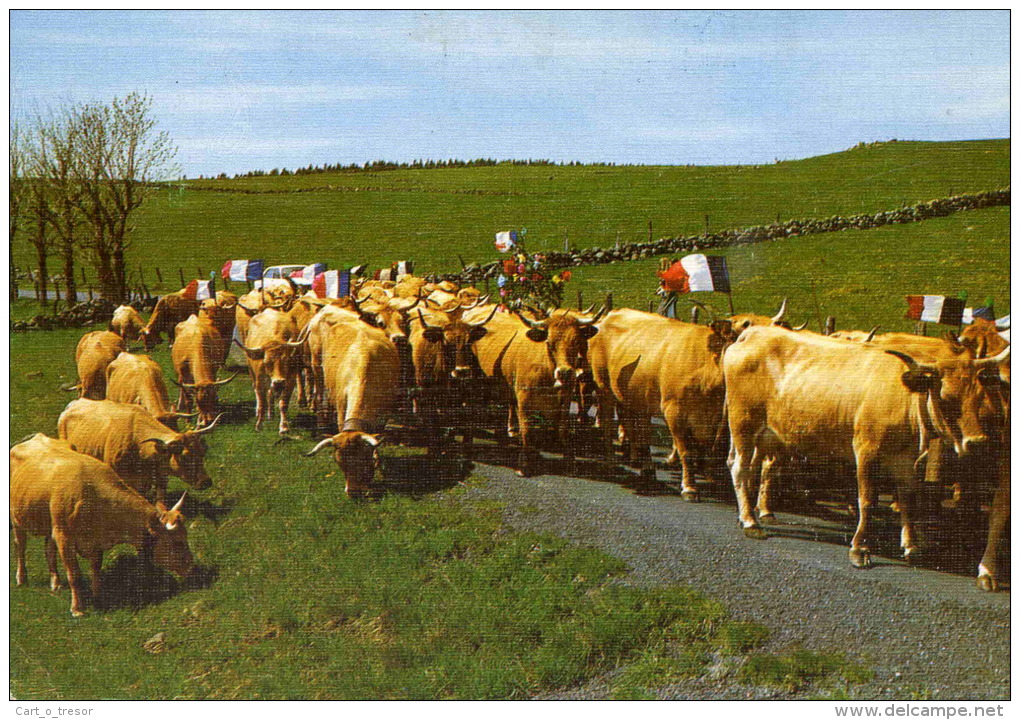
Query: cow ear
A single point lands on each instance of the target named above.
(433, 334)
(537, 334)
(477, 333)
(589, 331)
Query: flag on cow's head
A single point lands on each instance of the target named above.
(308, 272)
(935, 309)
(199, 290)
(697, 273)
(505, 241)
(241, 270)
(332, 284)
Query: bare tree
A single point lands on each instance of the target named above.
(120, 156)
(55, 153)
(18, 162)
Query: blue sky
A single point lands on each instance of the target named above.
(245, 90)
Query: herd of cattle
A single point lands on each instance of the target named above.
(888, 408)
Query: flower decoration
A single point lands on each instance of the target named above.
(526, 279)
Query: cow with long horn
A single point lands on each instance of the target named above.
(743, 321)
(197, 356)
(138, 379)
(443, 357)
(361, 370)
(143, 451)
(274, 349)
(537, 363)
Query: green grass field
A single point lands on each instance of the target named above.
(425, 595)
(432, 216)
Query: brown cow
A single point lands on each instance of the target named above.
(138, 379)
(197, 357)
(222, 316)
(999, 386)
(171, 309)
(141, 450)
(537, 362)
(274, 348)
(362, 371)
(742, 321)
(127, 323)
(81, 507)
(95, 351)
(983, 338)
(647, 365)
(816, 396)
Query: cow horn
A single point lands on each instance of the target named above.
(224, 382)
(587, 310)
(183, 415)
(160, 443)
(483, 322)
(210, 426)
(317, 448)
(871, 335)
(69, 388)
(424, 323)
(177, 506)
(801, 327)
(591, 321)
(247, 350)
(779, 316)
(407, 308)
(993, 361)
(186, 385)
(482, 300)
(531, 323)
(302, 337)
(911, 362)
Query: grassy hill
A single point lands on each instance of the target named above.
(432, 216)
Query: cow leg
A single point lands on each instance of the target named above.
(604, 422)
(866, 496)
(95, 559)
(67, 555)
(742, 471)
(260, 401)
(525, 454)
(284, 404)
(51, 564)
(511, 421)
(769, 468)
(988, 569)
(672, 414)
(902, 470)
(20, 541)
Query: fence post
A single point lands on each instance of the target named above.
(830, 325)
(707, 227)
(649, 231)
(83, 280)
(180, 272)
(651, 306)
(609, 301)
(90, 293)
(580, 300)
(694, 314)
(159, 276)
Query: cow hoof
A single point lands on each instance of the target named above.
(860, 558)
(77, 613)
(523, 473)
(690, 496)
(767, 519)
(911, 555)
(987, 583)
(755, 532)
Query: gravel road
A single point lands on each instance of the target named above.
(923, 632)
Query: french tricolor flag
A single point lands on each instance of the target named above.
(505, 241)
(308, 272)
(199, 290)
(241, 270)
(697, 273)
(332, 284)
(935, 309)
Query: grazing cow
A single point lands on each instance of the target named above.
(442, 355)
(361, 370)
(816, 396)
(646, 365)
(127, 323)
(274, 351)
(138, 379)
(171, 309)
(537, 363)
(80, 506)
(197, 356)
(96, 350)
(141, 450)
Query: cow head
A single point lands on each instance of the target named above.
(456, 339)
(357, 454)
(983, 339)
(958, 396)
(204, 393)
(150, 337)
(722, 336)
(390, 316)
(186, 455)
(745, 320)
(566, 338)
(168, 538)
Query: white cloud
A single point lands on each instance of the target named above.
(238, 97)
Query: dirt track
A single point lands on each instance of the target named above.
(925, 633)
